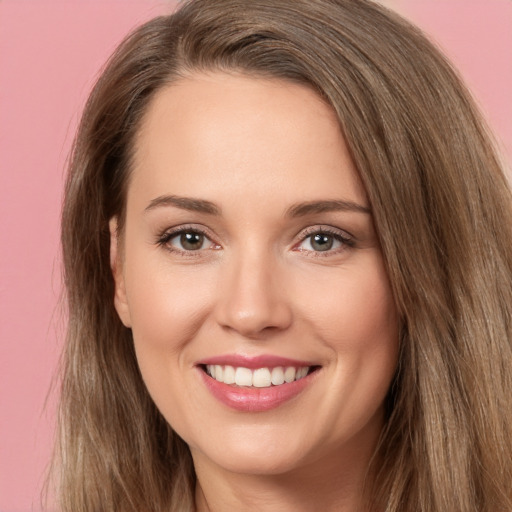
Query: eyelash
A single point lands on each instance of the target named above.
(165, 238)
(346, 240)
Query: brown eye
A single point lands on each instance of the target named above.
(191, 241)
(188, 241)
(322, 242)
(325, 241)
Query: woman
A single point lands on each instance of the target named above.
(287, 253)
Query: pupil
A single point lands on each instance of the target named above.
(322, 242)
(191, 241)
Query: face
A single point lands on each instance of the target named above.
(251, 276)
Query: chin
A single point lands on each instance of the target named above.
(247, 462)
(258, 454)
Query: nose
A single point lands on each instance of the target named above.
(252, 299)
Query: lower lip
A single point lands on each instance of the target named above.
(252, 399)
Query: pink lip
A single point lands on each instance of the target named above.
(250, 399)
(254, 362)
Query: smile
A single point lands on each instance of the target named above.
(256, 384)
(258, 378)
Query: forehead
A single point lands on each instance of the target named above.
(215, 133)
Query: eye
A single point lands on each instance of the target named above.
(323, 240)
(186, 240)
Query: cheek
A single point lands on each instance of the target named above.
(357, 321)
(167, 305)
(369, 330)
(352, 309)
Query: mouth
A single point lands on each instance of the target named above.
(256, 384)
(265, 377)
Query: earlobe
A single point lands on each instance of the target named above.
(116, 265)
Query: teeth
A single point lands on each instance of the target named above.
(243, 377)
(229, 375)
(259, 378)
(277, 376)
(289, 374)
(301, 373)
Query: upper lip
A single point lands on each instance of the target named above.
(253, 362)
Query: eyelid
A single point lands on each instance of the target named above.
(348, 241)
(165, 236)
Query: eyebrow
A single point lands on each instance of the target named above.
(310, 207)
(296, 210)
(185, 203)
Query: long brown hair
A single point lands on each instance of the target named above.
(442, 209)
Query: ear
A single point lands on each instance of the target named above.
(116, 264)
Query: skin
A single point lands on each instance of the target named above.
(257, 285)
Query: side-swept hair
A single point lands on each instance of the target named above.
(442, 210)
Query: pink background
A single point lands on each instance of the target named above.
(50, 53)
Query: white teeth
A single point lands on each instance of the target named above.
(277, 376)
(301, 372)
(243, 377)
(289, 374)
(219, 373)
(229, 375)
(259, 378)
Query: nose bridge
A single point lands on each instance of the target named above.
(252, 298)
